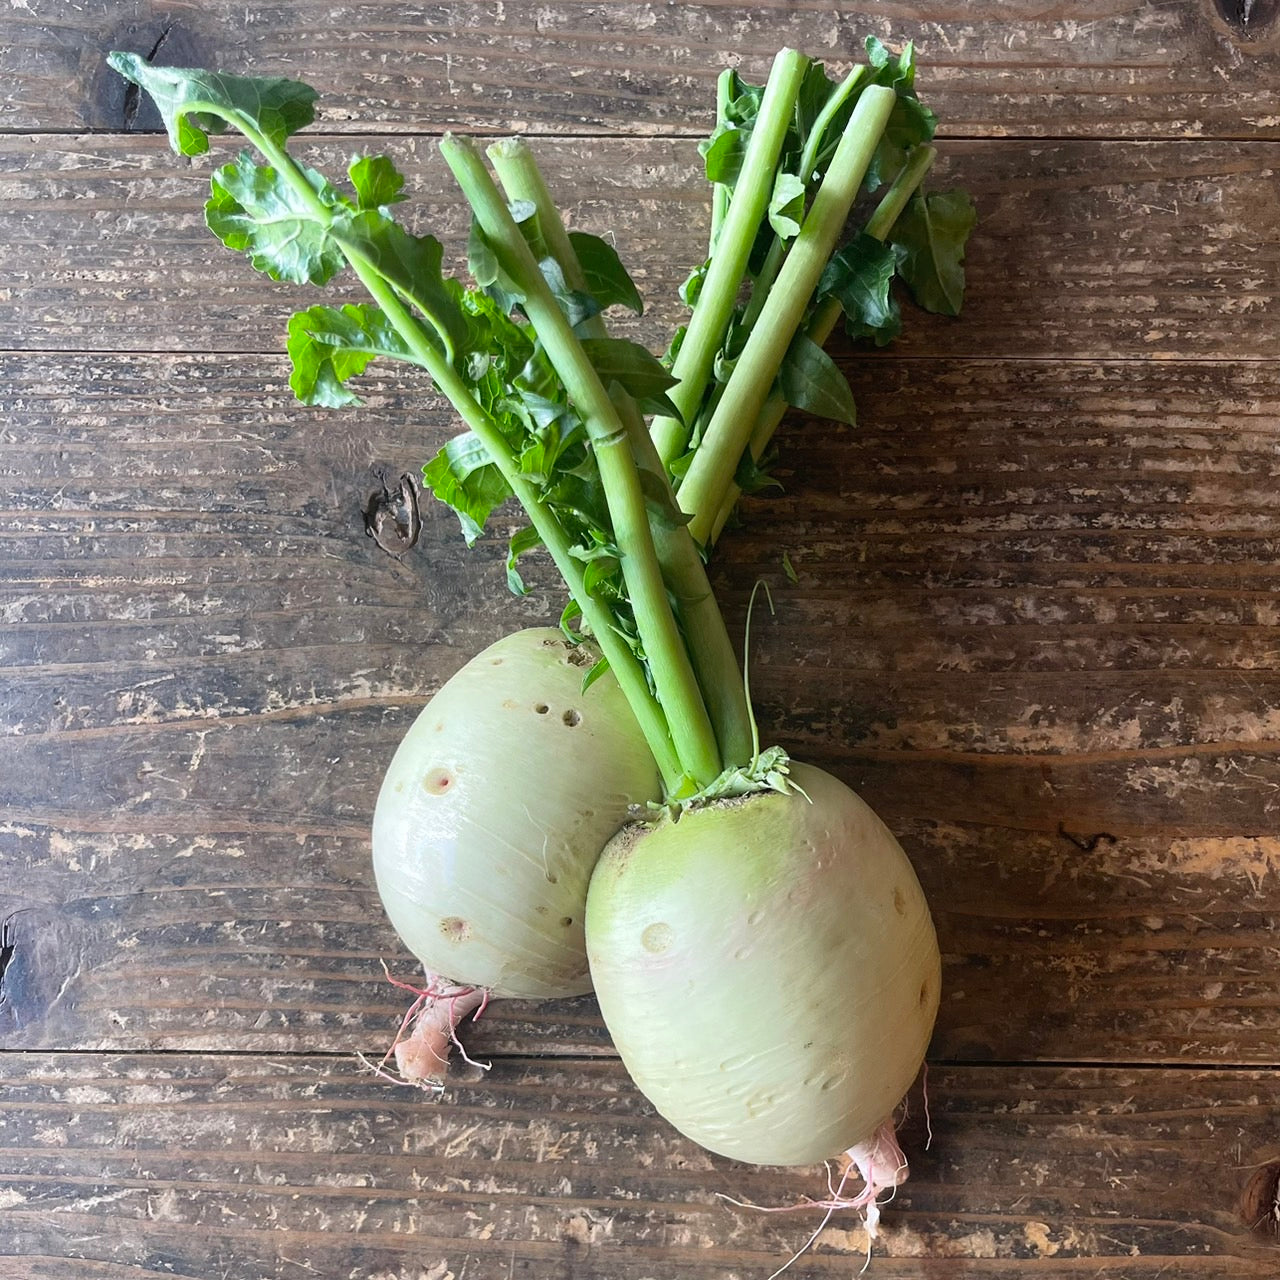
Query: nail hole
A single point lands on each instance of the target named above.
(541, 708)
(566, 921)
(571, 718)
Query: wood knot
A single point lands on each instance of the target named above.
(391, 516)
(1248, 18)
(1260, 1203)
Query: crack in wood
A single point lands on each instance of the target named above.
(8, 947)
(132, 93)
(1089, 843)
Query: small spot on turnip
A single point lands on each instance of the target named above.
(924, 993)
(899, 901)
(437, 782)
(541, 708)
(755, 917)
(572, 718)
(742, 953)
(440, 726)
(455, 929)
(552, 878)
(657, 938)
(495, 662)
(832, 1082)
(566, 922)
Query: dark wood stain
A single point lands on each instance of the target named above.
(1033, 620)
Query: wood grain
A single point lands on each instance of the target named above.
(309, 1166)
(1083, 250)
(1081, 68)
(1033, 607)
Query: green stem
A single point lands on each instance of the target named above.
(622, 662)
(673, 674)
(729, 432)
(808, 163)
(711, 650)
(824, 318)
(720, 192)
(714, 307)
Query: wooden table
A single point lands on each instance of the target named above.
(1036, 623)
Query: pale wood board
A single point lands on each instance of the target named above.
(1033, 621)
(1032, 606)
(311, 1166)
(1169, 68)
(1083, 250)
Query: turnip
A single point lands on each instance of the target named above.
(761, 949)
(767, 968)
(452, 852)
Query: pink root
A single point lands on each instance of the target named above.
(429, 1031)
(883, 1166)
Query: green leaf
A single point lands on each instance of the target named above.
(577, 306)
(377, 182)
(634, 368)
(524, 539)
(328, 346)
(931, 232)
(195, 103)
(786, 205)
(607, 279)
(255, 209)
(810, 380)
(789, 569)
(412, 265)
(659, 502)
(462, 476)
(599, 577)
(723, 152)
(597, 670)
(568, 616)
(910, 122)
(859, 278)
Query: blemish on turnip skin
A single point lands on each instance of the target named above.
(899, 902)
(572, 718)
(455, 929)
(657, 938)
(437, 782)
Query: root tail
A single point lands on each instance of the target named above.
(429, 1032)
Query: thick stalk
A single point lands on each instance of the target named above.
(729, 432)
(808, 163)
(714, 661)
(714, 307)
(622, 662)
(673, 674)
(720, 192)
(825, 315)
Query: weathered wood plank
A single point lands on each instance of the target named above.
(308, 1166)
(1159, 250)
(206, 664)
(1086, 67)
